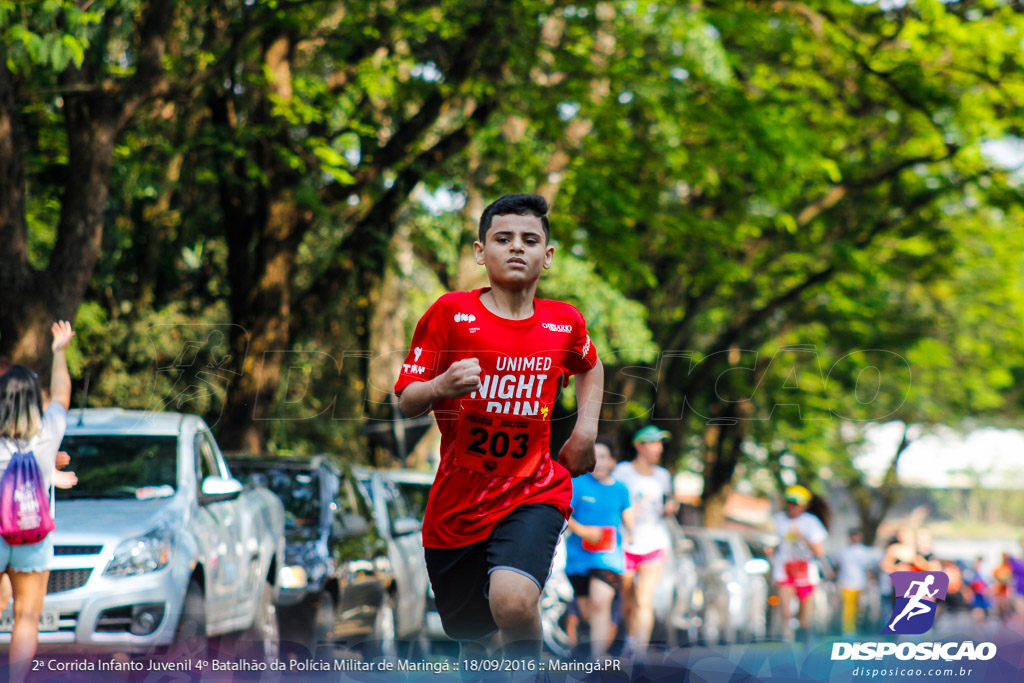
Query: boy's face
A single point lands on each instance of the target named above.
(603, 461)
(650, 450)
(515, 251)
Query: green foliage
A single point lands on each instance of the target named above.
(49, 33)
(731, 180)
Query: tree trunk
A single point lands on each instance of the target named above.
(33, 300)
(714, 507)
(261, 334)
(723, 441)
(263, 226)
(873, 504)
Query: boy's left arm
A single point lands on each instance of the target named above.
(577, 455)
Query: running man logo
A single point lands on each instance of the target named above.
(914, 612)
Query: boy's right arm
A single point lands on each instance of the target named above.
(462, 377)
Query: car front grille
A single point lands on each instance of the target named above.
(68, 622)
(67, 579)
(77, 549)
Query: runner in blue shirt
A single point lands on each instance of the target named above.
(594, 556)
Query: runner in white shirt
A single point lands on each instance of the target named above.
(802, 537)
(650, 491)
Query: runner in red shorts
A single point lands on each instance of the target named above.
(489, 363)
(802, 537)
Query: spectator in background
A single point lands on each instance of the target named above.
(980, 602)
(1017, 571)
(802, 545)
(26, 426)
(1002, 577)
(650, 492)
(925, 560)
(854, 562)
(901, 553)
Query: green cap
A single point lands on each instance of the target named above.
(651, 433)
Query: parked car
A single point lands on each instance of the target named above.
(761, 545)
(415, 486)
(402, 531)
(683, 622)
(745, 581)
(337, 580)
(158, 544)
(719, 622)
(828, 601)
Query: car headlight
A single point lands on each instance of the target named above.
(293, 576)
(141, 555)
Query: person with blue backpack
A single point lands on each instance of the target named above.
(26, 548)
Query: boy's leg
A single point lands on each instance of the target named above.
(519, 554)
(458, 577)
(515, 605)
(601, 595)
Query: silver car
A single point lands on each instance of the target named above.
(746, 582)
(158, 544)
(401, 529)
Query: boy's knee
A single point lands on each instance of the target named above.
(512, 608)
(514, 598)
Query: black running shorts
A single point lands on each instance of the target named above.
(523, 542)
(581, 582)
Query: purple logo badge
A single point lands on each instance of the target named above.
(916, 596)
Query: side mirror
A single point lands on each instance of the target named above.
(684, 545)
(216, 489)
(404, 526)
(757, 566)
(349, 525)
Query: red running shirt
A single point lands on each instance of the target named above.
(495, 443)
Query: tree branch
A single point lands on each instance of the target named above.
(375, 229)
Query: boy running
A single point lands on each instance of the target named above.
(489, 363)
(594, 559)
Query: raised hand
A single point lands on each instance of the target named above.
(62, 334)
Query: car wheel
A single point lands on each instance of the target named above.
(262, 640)
(190, 639)
(712, 627)
(321, 640)
(385, 631)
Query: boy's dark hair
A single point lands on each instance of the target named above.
(519, 205)
(609, 443)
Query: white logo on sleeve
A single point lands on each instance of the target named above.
(416, 353)
(464, 317)
(557, 328)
